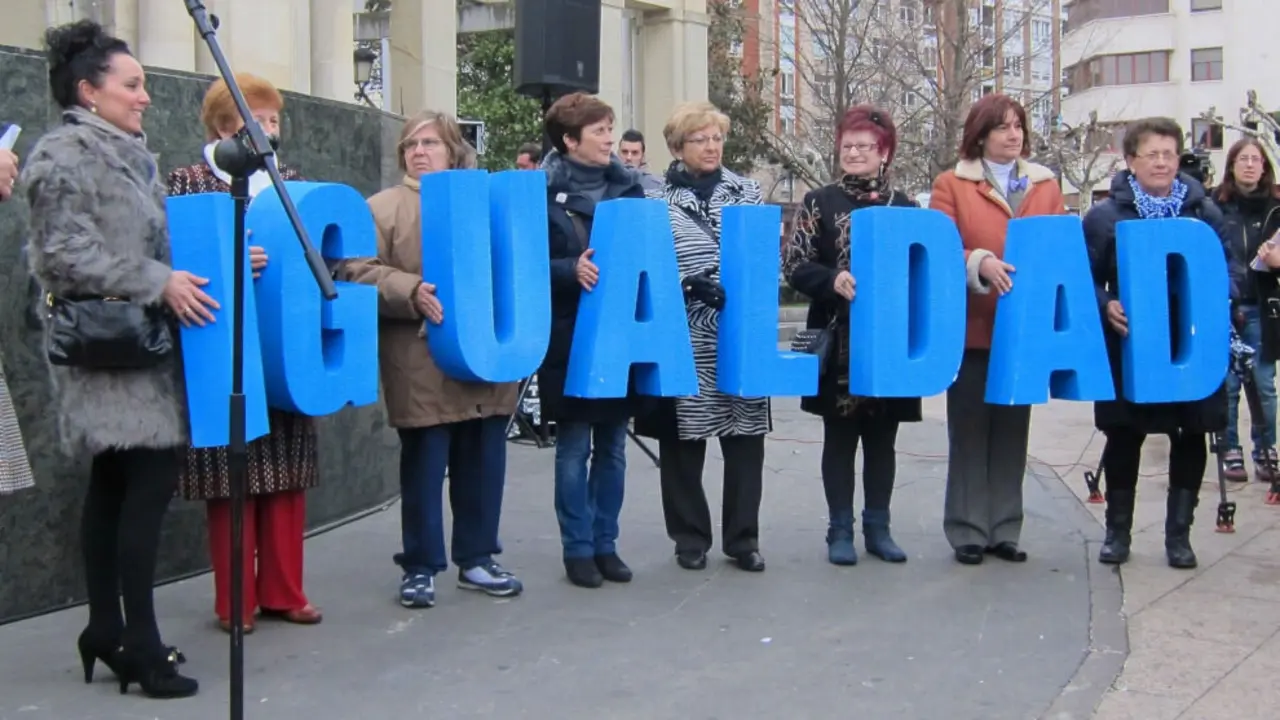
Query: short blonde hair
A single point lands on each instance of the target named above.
(689, 118)
(219, 111)
(461, 155)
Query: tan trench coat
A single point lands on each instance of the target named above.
(416, 392)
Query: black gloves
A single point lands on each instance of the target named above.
(702, 287)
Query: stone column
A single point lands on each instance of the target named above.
(262, 38)
(166, 35)
(424, 56)
(332, 50)
(674, 43)
(612, 47)
(23, 25)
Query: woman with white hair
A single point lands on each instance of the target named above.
(696, 188)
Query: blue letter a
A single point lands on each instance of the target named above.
(636, 313)
(201, 236)
(748, 363)
(907, 320)
(1182, 258)
(484, 247)
(319, 355)
(1048, 334)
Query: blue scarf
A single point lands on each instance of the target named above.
(1151, 207)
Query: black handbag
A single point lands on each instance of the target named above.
(106, 333)
(817, 341)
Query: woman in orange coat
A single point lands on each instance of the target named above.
(987, 454)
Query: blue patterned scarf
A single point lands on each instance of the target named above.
(1151, 207)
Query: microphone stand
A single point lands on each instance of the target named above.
(240, 156)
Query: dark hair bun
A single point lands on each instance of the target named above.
(66, 42)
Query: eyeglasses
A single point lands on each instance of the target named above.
(1249, 160)
(424, 143)
(1166, 156)
(705, 139)
(862, 148)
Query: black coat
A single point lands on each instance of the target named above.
(817, 252)
(1250, 221)
(566, 244)
(1206, 415)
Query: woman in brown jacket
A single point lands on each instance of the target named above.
(444, 424)
(282, 465)
(987, 453)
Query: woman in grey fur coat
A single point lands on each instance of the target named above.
(99, 230)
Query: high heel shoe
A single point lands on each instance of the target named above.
(93, 649)
(157, 675)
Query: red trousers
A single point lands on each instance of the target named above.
(273, 527)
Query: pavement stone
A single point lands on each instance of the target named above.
(928, 639)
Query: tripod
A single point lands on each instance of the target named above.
(249, 151)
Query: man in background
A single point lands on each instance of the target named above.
(528, 156)
(631, 150)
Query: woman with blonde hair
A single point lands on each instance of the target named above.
(446, 425)
(697, 188)
(282, 465)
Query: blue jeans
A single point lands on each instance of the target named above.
(588, 502)
(1263, 430)
(475, 454)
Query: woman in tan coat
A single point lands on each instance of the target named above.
(987, 454)
(444, 424)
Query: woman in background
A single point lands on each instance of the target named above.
(282, 465)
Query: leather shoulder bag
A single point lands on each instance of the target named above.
(106, 333)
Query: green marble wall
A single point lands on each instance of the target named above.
(39, 528)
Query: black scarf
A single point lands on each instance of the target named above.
(702, 185)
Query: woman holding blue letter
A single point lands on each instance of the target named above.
(987, 444)
(444, 424)
(697, 188)
(1151, 188)
(582, 171)
(816, 262)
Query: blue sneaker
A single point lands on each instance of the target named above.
(490, 578)
(417, 590)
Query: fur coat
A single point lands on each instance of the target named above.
(98, 229)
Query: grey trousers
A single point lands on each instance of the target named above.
(987, 458)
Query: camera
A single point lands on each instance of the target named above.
(473, 133)
(1196, 164)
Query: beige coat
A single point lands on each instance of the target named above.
(416, 392)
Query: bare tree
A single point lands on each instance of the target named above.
(1083, 154)
(1255, 122)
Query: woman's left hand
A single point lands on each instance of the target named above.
(1269, 253)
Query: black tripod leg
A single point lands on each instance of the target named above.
(1226, 521)
(643, 447)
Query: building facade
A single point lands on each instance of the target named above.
(1128, 59)
(653, 52)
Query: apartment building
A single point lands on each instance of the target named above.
(1128, 59)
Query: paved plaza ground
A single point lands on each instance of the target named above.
(929, 639)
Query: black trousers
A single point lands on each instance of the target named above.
(129, 492)
(1188, 456)
(684, 502)
(840, 440)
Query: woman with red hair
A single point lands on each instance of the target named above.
(282, 465)
(816, 263)
(987, 454)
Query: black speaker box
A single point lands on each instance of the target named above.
(557, 47)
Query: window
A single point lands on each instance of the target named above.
(1131, 69)
(909, 99)
(1205, 134)
(929, 61)
(879, 49)
(788, 84)
(1206, 64)
(1198, 5)
(1013, 66)
(908, 11)
(928, 14)
(988, 57)
(1041, 69)
(1084, 11)
(788, 126)
(1041, 31)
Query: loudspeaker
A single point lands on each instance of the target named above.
(557, 47)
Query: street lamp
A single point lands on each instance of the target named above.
(363, 65)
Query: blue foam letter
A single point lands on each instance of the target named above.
(1155, 258)
(318, 355)
(748, 363)
(201, 237)
(1048, 334)
(484, 247)
(906, 338)
(636, 313)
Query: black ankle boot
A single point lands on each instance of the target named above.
(1180, 512)
(1115, 548)
(583, 572)
(156, 673)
